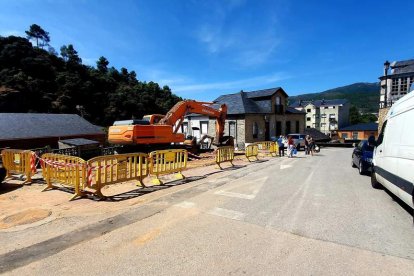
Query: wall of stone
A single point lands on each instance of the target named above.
(381, 117)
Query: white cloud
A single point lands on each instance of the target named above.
(249, 46)
(235, 85)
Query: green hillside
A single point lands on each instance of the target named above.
(364, 96)
(35, 78)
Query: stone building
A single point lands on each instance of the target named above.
(395, 83)
(258, 116)
(327, 116)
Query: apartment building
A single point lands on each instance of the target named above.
(327, 116)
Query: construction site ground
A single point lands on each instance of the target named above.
(48, 214)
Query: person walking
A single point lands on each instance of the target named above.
(281, 146)
(311, 145)
(307, 145)
(291, 146)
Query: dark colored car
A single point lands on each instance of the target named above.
(362, 156)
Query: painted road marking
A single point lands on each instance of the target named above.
(238, 195)
(258, 184)
(225, 213)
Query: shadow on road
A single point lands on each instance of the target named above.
(400, 202)
(146, 190)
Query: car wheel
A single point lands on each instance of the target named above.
(374, 183)
(352, 163)
(361, 168)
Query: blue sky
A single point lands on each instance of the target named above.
(203, 49)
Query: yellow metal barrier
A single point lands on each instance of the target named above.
(66, 170)
(252, 151)
(267, 147)
(111, 169)
(18, 162)
(224, 154)
(166, 162)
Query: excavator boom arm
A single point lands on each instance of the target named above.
(179, 110)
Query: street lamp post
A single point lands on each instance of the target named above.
(386, 67)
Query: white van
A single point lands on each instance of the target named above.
(393, 161)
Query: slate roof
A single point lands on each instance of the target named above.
(33, 125)
(319, 103)
(264, 93)
(292, 110)
(253, 102)
(79, 142)
(316, 135)
(361, 127)
(404, 66)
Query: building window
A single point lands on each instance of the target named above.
(308, 110)
(308, 119)
(323, 124)
(287, 127)
(307, 126)
(333, 107)
(355, 135)
(394, 87)
(326, 107)
(331, 116)
(323, 116)
(345, 135)
(411, 80)
(278, 128)
(255, 130)
(403, 88)
(315, 125)
(184, 128)
(278, 100)
(297, 126)
(232, 129)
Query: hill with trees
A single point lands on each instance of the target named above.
(364, 96)
(35, 78)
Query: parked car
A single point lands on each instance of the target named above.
(298, 139)
(362, 156)
(393, 161)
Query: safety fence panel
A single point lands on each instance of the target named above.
(167, 162)
(19, 162)
(252, 151)
(267, 147)
(111, 169)
(65, 170)
(224, 154)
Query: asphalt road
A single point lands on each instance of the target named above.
(305, 215)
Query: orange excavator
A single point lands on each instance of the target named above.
(157, 129)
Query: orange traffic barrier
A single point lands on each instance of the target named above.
(111, 169)
(166, 162)
(19, 162)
